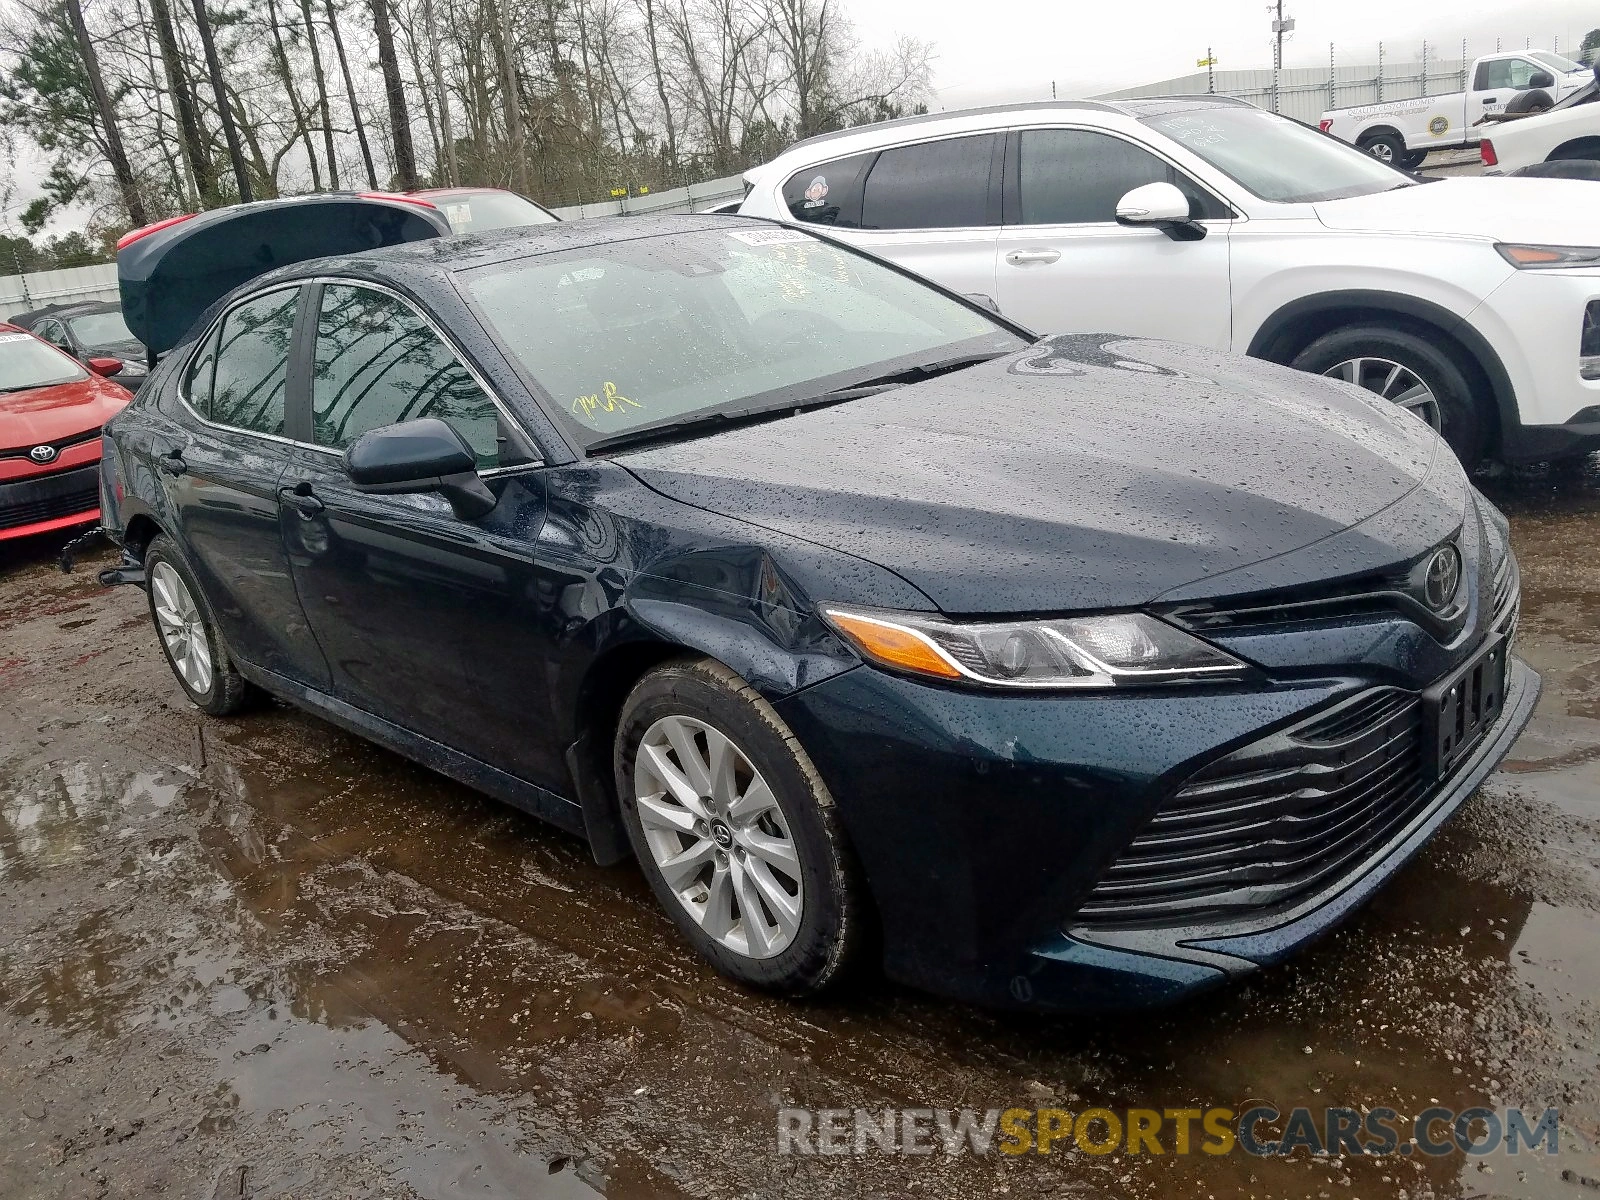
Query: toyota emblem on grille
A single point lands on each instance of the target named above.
(43, 454)
(1442, 577)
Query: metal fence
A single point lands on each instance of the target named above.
(19, 293)
(1305, 93)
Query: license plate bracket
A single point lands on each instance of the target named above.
(1460, 708)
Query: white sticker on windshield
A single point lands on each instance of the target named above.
(13, 337)
(769, 237)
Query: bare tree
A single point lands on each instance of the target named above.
(116, 155)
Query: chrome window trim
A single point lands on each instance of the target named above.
(454, 346)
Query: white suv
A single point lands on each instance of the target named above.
(1473, 302)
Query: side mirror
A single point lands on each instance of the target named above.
(1541, 79)
(984, 299)
(1161, 205)
(106, 366)
(424, 455)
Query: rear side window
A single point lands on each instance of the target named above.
(379, 363)
(829, 194)
(932, 185)
(252, 363)
(1076, 177)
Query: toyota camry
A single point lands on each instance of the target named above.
(1060, 672)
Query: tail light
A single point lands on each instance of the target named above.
(1325, 124)
(144, 231)
(1486, 152)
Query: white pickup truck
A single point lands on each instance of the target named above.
(1402, 132)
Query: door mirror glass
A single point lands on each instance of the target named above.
(424, 455)
(1153, 204)
(1541, 79)
(105, 366)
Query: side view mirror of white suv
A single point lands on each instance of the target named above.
(1161, 205)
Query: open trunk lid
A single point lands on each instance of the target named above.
(171, 272)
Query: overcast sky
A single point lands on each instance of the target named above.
(1012, 49)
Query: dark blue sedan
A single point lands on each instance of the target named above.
(1067, 672)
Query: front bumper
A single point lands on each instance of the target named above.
(984, 822)
(43, 503)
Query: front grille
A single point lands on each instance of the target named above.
(87, 435)
(1274, 821)
(48, 497)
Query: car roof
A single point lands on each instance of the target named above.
(1124, 107)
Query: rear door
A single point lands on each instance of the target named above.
(220, 458)
(426, 618)
(931, 206)
(1064, 264)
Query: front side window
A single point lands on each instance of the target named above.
(26, 362)
(1275, 158)
(932, 185)
(252, 365)
(379, 363)
(1076, 177)
(1509, 73)
(828, 194)
(658, 331)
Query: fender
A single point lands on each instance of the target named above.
(1273, 331)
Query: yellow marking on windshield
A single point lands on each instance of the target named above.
(607, 400)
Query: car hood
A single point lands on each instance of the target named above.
(1086, 472)
(1542, 211)
(52, 414)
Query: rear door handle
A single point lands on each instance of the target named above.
(1023, 258)
(172, 462)
(302, 499)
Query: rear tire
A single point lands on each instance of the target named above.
(727, 840)
(1386, 147)
(188, 633)
(1462, 422)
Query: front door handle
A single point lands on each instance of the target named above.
(171, 463)
(302, 499)
(1023, 258)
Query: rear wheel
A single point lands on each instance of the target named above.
(735, 831)
(189, 635)
(1386, 147)
(1410, 370)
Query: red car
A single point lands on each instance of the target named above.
(51, 411)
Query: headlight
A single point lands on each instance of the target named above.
(1073, 652)
(1550, 256)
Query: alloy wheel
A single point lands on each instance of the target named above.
(1382, 151)
(1393, 382)
(719, 836)
(182, 629)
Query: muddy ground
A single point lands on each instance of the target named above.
(257, 957)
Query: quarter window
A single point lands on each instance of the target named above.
(829, 194)
(252, 363)
(1076, 177)
(379, 363)
(932, 185)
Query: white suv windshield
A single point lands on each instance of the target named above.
(664, 331)
(1276, 158)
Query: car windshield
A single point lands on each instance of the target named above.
(1558, 64)
(1276, 158)
(26, 362)
(101, 329)
(473, 212)
(662, 331)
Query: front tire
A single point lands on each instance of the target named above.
(736, 832)
(1409, 369)
(188, 634)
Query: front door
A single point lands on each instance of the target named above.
(222, 472)
(425, 617)
(1064, 264)
(1496, 82)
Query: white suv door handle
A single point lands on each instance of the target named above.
(1021, 258)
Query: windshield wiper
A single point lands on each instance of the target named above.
(725, 417)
